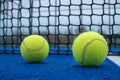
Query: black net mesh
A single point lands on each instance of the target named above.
(59, 21)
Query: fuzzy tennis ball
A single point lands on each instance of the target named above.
(34, 48)
(90, 49)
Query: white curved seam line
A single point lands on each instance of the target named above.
(84, 51)
(35, 49)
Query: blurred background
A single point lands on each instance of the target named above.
(59, 21)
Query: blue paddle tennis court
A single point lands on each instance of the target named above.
(59, 22)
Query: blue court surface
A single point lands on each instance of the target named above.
(55, 67)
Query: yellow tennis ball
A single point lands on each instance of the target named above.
(90, 49)
(34, 48)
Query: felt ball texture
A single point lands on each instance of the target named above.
(90, 49)
(34, 48)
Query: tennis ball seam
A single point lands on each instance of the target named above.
(86, 46)
(34, 49)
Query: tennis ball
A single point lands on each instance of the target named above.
(34, 48)
(90, 49)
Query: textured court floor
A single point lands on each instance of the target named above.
(56, 67)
